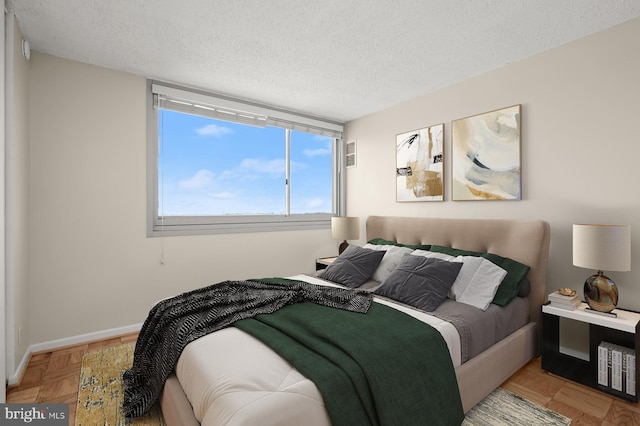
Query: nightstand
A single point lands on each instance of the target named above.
(323, 262)
(621, 330)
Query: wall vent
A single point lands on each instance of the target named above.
(350, 154)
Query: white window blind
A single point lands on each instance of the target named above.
(222, 108)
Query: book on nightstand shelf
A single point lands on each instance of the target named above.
(617, 367)
(564, 302)
(630, 363)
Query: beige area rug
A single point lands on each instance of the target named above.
(100, 392)
(100, 398)
(503, 408)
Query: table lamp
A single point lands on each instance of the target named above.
(602, 247)
(345, 228)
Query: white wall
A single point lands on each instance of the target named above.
(92, 266)
(17, 196)
(3, 323)
(580, 147)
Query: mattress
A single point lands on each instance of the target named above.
(232, 378)
(479, 330)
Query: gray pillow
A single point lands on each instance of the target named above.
(353, 267)
(421, 282)
(524, 288)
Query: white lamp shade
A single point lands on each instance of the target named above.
(345, 228)
(602, 247)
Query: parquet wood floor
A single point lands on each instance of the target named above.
(585, 406)
(54, 376)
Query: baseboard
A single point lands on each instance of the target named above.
(68, 341)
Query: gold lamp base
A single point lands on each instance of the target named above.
(600, 293)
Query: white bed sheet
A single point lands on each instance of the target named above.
(232, 378)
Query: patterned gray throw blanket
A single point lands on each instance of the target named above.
(175, 322)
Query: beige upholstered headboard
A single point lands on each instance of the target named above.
(524, 241)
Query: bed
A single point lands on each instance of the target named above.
(526, 242)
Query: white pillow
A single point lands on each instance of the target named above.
(389, 261)
(477, 282)
(426, 253)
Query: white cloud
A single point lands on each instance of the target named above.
(272, 167)
(316, 152)
(214, 130)
(201, 179)
(227, 174)
(223, 195)
(249, 169)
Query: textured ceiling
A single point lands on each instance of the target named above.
(338, 59)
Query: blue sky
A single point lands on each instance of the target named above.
(214, 167)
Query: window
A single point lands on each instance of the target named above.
(217, 165)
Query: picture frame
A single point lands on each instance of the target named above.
(486, 156)
(420, 164)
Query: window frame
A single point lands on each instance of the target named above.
(158, 226)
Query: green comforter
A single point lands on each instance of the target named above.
(379, 368)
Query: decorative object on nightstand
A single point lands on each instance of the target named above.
(602, 247)
(564, 299)
(567, 291)
(345, 228)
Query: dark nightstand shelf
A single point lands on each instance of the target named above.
(621, 330)
(323, 262)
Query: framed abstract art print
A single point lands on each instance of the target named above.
(486, 156)
(419, 164)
